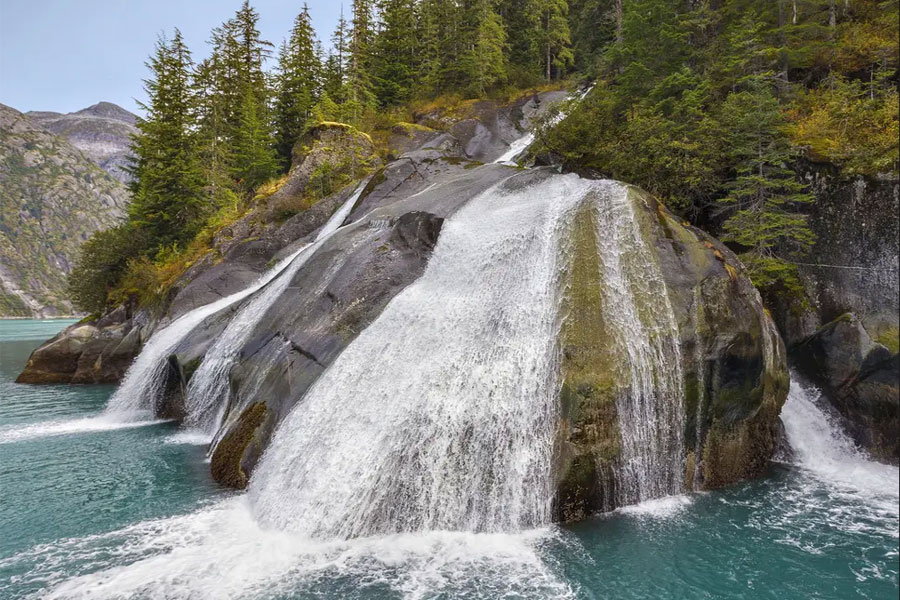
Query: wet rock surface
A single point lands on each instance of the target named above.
(860, 378)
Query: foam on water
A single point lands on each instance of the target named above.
(658, 507)
(222, 552)
(97, 424)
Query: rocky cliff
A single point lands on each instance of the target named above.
(846, 342)
(52, 198)
(732, 360)
(102, 132)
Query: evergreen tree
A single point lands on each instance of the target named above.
(360, 96)
(297, 84)
(255, 162)
(210, 112)
(167, 190)
(766, 197)
(484, 63)
(396, 52)
(238, 96)
(555, 39)
(441, 41)
(335, 66)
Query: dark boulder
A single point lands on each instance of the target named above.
(860, 378)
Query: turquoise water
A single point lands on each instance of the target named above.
(94, 509)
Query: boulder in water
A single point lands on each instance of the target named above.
(730, 364)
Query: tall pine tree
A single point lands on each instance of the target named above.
(297, 85)
(167, 190)
(360, 95)
(396, 55)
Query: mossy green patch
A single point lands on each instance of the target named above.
(588, 393)
(226, 461)
(890, 339)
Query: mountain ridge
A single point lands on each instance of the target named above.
(102, 132)
(52, 199)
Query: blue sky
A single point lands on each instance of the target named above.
(64, 55)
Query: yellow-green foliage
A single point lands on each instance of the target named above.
(889, 338)
(148, 281)
(845, 123)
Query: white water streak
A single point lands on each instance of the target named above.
(208, 389)
(521, 144)
(644, 331)
(823, 450)
(142, 386)
(441, 414)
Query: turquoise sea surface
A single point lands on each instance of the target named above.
(93, 508)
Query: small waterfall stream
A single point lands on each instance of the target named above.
(645, 336)
(827, 453)
(520, 145)
(208, 387)
(452, 427)
(143, 382)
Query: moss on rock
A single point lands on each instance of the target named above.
(227, 460)
(587, 397)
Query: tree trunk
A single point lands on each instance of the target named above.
(619, 16)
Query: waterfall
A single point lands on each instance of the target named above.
(700, 365)
(644, 335)
(209, 386)
(521, 144)
(822, 449)
(441, 414)
(144, 379)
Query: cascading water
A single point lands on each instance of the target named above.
(209, 385)
(821, 448)
(142, 385)
(143, 382)
(644, 333)
(452, 427)
(521, 144)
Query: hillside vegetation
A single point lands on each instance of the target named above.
(709, 105)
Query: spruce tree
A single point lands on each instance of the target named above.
(484, 63)
(441, 41)
(255, 162)
(335, 66)
(167, 190)
(765, 199)
(555, 39)
(360, 95)
(396, 54)
(297, 85)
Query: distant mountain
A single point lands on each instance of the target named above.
(102, 131)
(52, 198)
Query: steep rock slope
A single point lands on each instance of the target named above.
(733, 375)
(102, 132)
(52, 198)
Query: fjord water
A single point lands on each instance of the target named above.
(132, 513)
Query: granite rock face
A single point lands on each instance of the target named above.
(735, 377)
(860, 378)
(854, 265)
